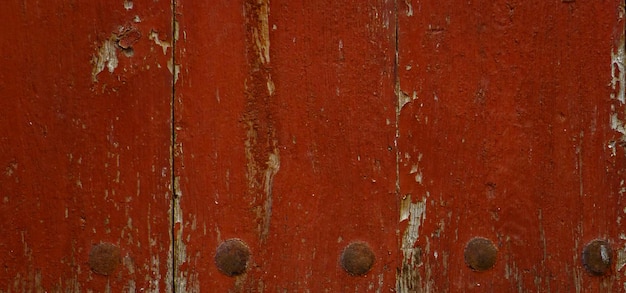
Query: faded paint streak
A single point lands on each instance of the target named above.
(617, 84)
(273, 164)
(618, 74)
(618, 81)
(261, 32)
(261, 151)
(180, 248)
(269, 170)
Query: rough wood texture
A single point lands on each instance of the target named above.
(84, 145)
(511, 120)
(286, 125)
(406, 128)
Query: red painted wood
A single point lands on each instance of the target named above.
(83, 161)
(507, 133)
(299, 132)
(285, 117)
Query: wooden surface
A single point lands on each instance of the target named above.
(285, 120)
(301, 127)
(507, 132)
(84, 152)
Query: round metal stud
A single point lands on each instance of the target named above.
(104, 258)
(357, 259)
(231, 257)
(480, 254)
(597, 256)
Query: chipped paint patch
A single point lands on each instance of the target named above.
(174, 69)
(154, 36)
(409, 11)
(404, 98)
(180, 248)
(106, 57)
(415, 169)
(408, 278)
(620, 261)
(128, 4)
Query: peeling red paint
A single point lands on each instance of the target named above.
(296, 147)
(510, 125)
(81, 162)
(302, 128)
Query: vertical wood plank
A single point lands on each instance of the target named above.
(84, 145)
(285, 116)
(510, 125)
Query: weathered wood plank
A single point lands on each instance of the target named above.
(286, 126)
(84, 145)
(511, 116)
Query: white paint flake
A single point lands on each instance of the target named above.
(154, 36)
(128, 4)
(404, 98)
(618, 74)
(270, 86)
(409, 11)
(105, 57)
(618, 82)
(174, 69)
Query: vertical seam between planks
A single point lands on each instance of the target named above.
(397, 93)
(396, 77)
(173, 153)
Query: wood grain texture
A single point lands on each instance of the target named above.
(506, 132)
(84, 145)
(286, 115)
(301, 127)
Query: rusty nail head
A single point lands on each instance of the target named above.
(597, 256)
(104, 258)
(231, 257)
(480, 254)
(357, 259)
